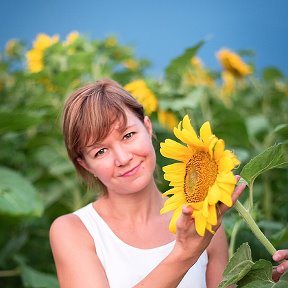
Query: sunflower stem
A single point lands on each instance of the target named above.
(251, 197)
(254, 227)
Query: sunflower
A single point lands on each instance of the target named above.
(201, 179)
(233, 63)
(142, 93)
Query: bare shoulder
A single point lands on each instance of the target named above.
(68, 223)
(68, 230)
(75, 254)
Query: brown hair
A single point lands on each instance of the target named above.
(89, 114)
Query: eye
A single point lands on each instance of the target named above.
(100, 152)
(129, 135)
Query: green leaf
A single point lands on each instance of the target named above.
(35, 279)
(238, 266)
(180, 63)
(271, 74)
(282, 131)
(16, 121)
(260, 273)
(274, 157)
(229, 125)
(18, 197)
(284, 276)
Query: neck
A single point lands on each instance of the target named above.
(135, 207)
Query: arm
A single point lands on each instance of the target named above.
(217, 258)
(74, 253)
(78, 266)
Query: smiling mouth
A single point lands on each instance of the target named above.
(131, 172)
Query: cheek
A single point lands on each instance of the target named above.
(103, 170)
(146, 149)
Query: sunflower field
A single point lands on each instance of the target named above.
(245, 107)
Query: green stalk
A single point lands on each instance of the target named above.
(254, 227)
(233, 238)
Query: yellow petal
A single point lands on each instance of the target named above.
(196, 205)
(200, 224)
(172, 191)
(205, 210)
(175, 168)
(174, 218)
(186, 137)
(213, 194)
(226, 199)
(205, 132)
(219, 149)
(173, 204)
(174, 150)
(187, 126)
(226, 178)
(213, 141)
(212, 219)
(226, 164)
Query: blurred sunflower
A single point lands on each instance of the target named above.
(167, 119)
(142, 93)
(201, 179)
(35, 56)
(229, 84)
(233, 63)
(71, 38)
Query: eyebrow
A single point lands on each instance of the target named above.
(97, 146)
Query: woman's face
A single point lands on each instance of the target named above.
(124, 161)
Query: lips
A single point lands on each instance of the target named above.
(131, 172)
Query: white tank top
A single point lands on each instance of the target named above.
(126, 265)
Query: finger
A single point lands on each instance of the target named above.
(222, 208)
(281, 268)
(185, 218)
(280, 255)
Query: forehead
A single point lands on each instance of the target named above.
(119, 126)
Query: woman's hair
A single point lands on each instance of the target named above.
(89, 114)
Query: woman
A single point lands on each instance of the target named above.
(121, 240)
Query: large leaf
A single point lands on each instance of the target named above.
(180, 63)
(230, 126)
(35, 279)
(16, 121)
(241, 270)
(260, 274)
(273, 157)
(18, 197)
(238, 266)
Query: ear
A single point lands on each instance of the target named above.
(148, 125)
(83, 164)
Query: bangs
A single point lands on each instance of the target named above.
(98, 118)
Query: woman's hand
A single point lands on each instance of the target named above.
(188, 242)
(282, 257)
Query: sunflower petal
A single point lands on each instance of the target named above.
(186, 137)
(172, 191)
(173, 203)
(205, 132)
(219, 149)
(200, 224)
(175, 168)
(212, 219)
(174, 150)
(174, 218)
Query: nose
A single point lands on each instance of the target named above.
(122, 155)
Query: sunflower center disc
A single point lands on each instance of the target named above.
(201, 173)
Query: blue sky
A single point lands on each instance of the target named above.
(159, 30)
